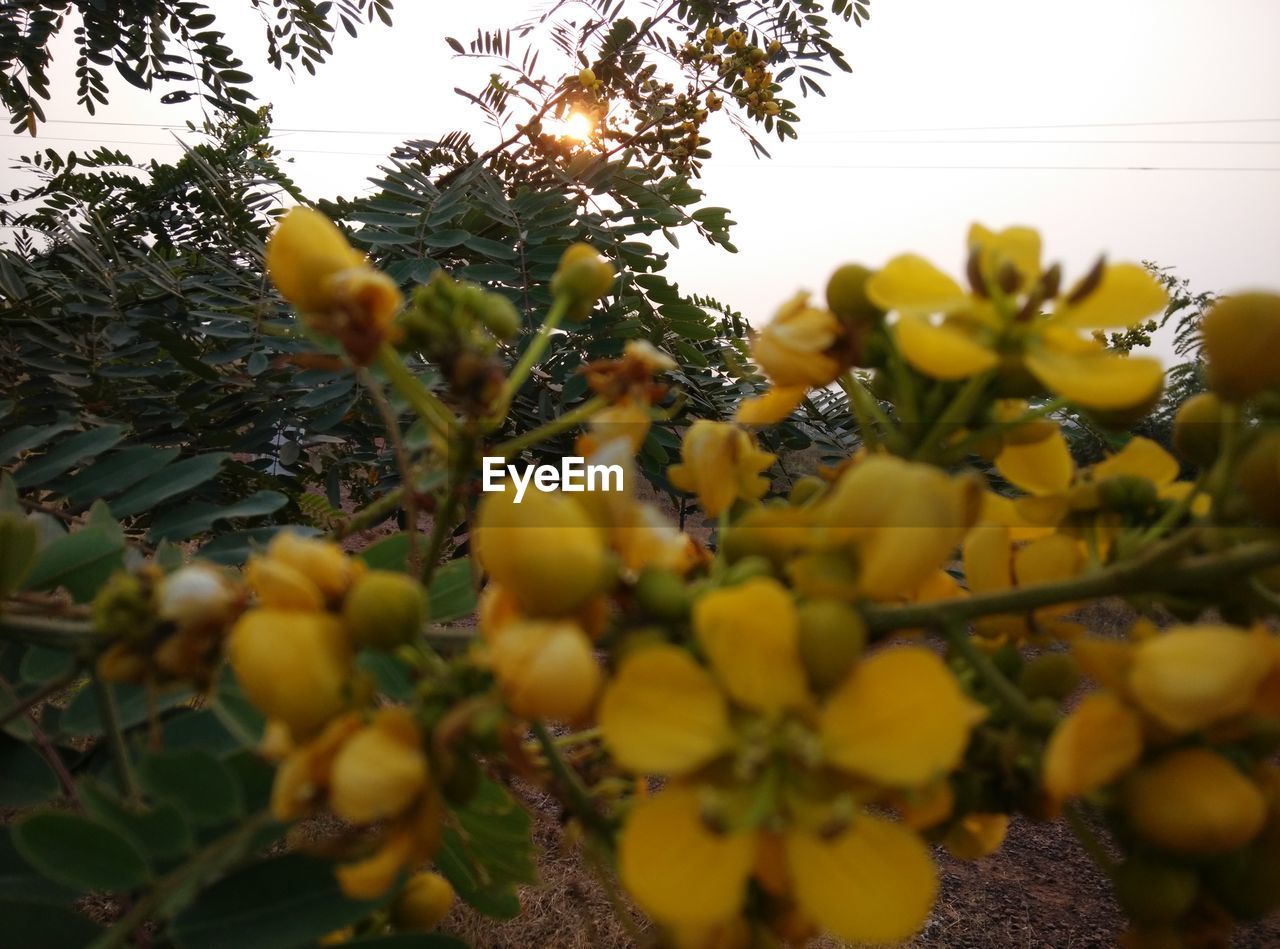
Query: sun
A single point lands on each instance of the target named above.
(576, 125)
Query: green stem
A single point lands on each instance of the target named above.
(552, 428)
(28, 702)
(865, 405)
(209, 859)
(1088, 840)
(576, 795)
(1010, 695)
(1148, 573)
(1220, 475)
(370, 514)
(409, 498)
(70, 635)
(421, 399)
(110, 716)
(956, 412)
(532, 353)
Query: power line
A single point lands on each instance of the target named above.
(951, 128)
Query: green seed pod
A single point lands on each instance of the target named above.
(385, 609)
(1052, 675)
(832, 637)
(662, 594)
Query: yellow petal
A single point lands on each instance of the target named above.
(874, 883)
(750, 634)
(1091, 747)
(976, 836)
(677, 870)
(721, 463)
(371, 877)
(663, 713)
(771, 406)
(1127, 294)
(1040, 467)
(1019, 246)
(1142, 458)
(912, 285)
(305, 251)
(899, 719)
(942, 352)
(988, 568)
(1047, 559)
(1096, 379)
(1192, 676)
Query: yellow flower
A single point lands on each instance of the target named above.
(295, 667)
(797, 351)
(721, 464)
(904, 519)
(322, 562)
(1194, 802)
(546, 669)
(1095, 744)
(897, 720)
(380, 770)
(404, 842)
(751, 633)
(544, 550)
(993, 563)
(316, 270)
(1192, 676)
(1000, 326)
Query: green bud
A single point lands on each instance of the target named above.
(1051, 675)
(662, 594)
(18, 540)
(1154, 893)
(385, 609)
(832, 637)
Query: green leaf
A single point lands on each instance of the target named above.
(81, 562)
(41, 664)
(490, 248)
(387, 553)
(44, 925)
(235, 711)
(81, 719)
(116, 472)
(452, 593)
(445, 238)
(26, 437)
(193, 519)
(25, 777)
(488, 851)
(174, 480)
(392, 675)
(286, 901)
(78, 852)
(193, 781)
(19, 539)
(20, 881)
(67, 453)
(159, 832)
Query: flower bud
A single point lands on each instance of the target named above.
(584, 277)
(498, 314)
(847, 297)
(832, 637)
(545, 551)
(546, 670)
(380, 770)
(196, 595)
(423, 903)
(1197, 429)
(1193, 802)
(587, 77)
(1241, 338)
(662, 594)
(320, 561)
(1259, 476)
(1052, 674)
(385, 609)
(293, 666)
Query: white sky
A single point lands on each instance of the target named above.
(842, 192)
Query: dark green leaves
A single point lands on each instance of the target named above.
(488, 851)
(78, 852)
(284, 902)
(452, 593)
(194, 782)
(80, 561)
(67, 453)
(25, 776)
(173, 480)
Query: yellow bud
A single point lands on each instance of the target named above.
(320, 561)
(584, 277)
(546, 669)
(304, 254)
(380, 771)
(385, 609)
(1197, 428)
(1259, 476)
(545, 550)
(1193, 802)
(423, 903)
(1241, 338)
(293, 666)
(279, 586)
(586, 77)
